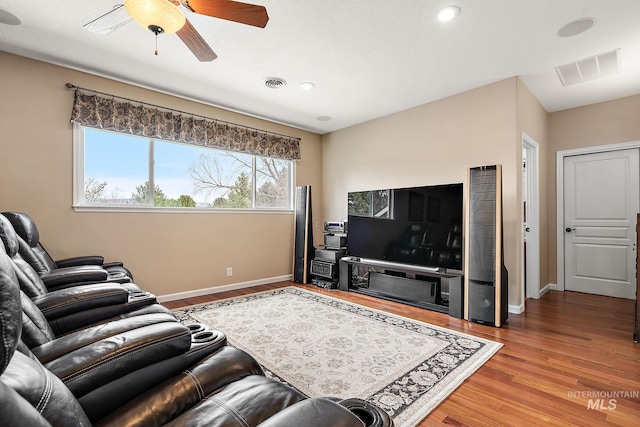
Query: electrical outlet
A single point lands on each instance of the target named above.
(229, 271)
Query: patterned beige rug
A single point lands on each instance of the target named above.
(327, 347)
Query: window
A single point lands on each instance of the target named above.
(119, 170)
(373, 204)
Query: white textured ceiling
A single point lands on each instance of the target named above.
(368, 58)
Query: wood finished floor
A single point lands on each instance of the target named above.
(565, 344)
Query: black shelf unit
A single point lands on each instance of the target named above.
(412, 285)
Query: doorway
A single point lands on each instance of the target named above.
(598, 200)
(530, 219)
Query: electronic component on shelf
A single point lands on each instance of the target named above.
(335, 227)
(330, 255)
(327, 284)
(325, 264)
(324, 268)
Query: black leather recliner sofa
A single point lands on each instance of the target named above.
(145, 371)
(32, 250)
(73, 306)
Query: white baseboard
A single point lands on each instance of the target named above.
(519, 309)
(516, 309)
(223, 288)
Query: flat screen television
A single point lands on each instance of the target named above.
(417, 226)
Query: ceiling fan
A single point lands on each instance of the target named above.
(164, 17)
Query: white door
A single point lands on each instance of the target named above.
(601, 193)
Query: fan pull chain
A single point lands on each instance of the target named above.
(155, 29)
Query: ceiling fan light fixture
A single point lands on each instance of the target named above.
(159, 16)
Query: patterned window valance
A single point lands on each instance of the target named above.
(137, 118)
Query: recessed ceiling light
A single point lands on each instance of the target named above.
(9, 18)
(324, 118)
(307, 85)
(275, 82)
(576, 27)
(448, 13)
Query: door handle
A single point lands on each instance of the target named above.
(569, 229)
(527, 229)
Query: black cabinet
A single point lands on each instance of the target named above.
(416, 286)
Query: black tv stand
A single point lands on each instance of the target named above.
(418, 286)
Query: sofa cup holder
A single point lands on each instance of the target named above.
(204, 336)
(194, 328)
(368, 413)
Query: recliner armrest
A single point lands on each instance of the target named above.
(100, 362)
(139, 381)
(99, 315)
(179, 394)
(59, 303)
(69, 275)
(106, 265)
(80, 260)
(73, 341)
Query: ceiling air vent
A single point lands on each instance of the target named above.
(592, 68)
(275, 82)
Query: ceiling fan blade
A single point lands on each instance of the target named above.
(108, 22)
(235, 11)
(196, 44)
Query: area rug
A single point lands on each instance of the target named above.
(324, 346)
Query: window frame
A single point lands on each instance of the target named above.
(79, 204)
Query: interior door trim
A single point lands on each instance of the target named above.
(560, 155)
(531, 284)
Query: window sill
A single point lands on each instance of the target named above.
(171, 210)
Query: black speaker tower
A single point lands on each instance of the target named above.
(303, 250)
(486, 280)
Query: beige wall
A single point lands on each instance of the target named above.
(168, 252)
(483, 126)
(432, 144)
(605, 123)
